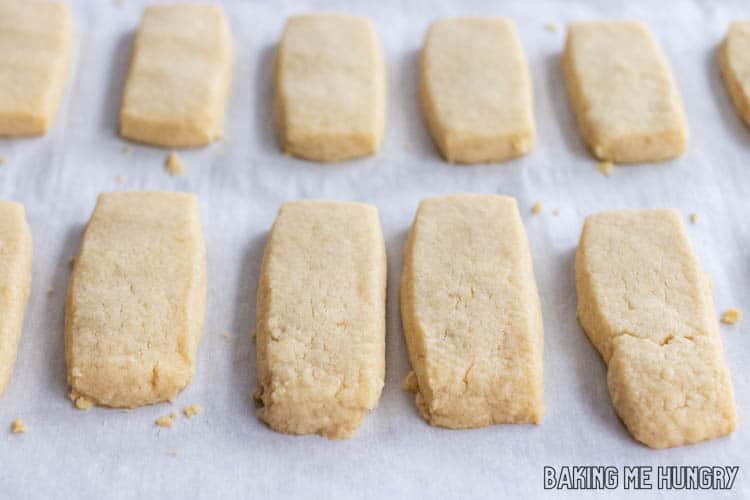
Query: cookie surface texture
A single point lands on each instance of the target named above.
(15, 283)
(622, 91)
(179, 76)
(320, 320)
(136, 300)
(646, 305)
(734, 60)
(35, 51)
(330, 88)
(471, 314)
(476, 90)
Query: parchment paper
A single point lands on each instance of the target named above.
(225, 452)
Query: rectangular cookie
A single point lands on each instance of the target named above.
(734, 61)
(35, 47)
(646, 305)
(179, 76)
(622, 91)
(330, 88)
(15, 282)
(471, 314)
(136, 300)
(320, 321)
(476, 90)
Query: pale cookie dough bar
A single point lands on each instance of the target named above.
(35, 46)
(476, 90)
(136, 300)
(330, 88)
(15, 282)
(646, 305)
(471, 314)
(179, 76)
(320, 328)
(621, 88)
(734, 60)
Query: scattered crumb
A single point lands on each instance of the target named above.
(172, 453)
(174, 164)
(693, 218)
(552, 27)
(119, 179)
(192, 410)
(83, 403)
(605, 167)
(226, 335)
(3, 160)
(50, 291)
(537, 208)
(18, 427)
(174, 415)
(165, 421)
(731, 316)
(556, 212)
(126, 150)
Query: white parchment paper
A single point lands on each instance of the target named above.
(226, 452)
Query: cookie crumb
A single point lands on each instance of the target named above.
(172, 453)
(731, 316)
(83, 403)
(551, 27)
(174, 164)
(165, 421)
(192, 410)
(18, 426)
(605, 167)
(50, 291)
(119, 179)
(537, 208)
(556, 212)
(693, 218)
(3, 160)
(226, 335)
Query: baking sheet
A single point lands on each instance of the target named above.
(226, 452)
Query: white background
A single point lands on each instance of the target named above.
(225, 451)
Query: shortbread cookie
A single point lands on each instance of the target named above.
(35, 46)
(471, 315)
(136, 300)
(476, 90)
(734, 60)
(15, 281)
(330, 88)
(179, 76)
(621, 87)
(320, 327)
(646, 305)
